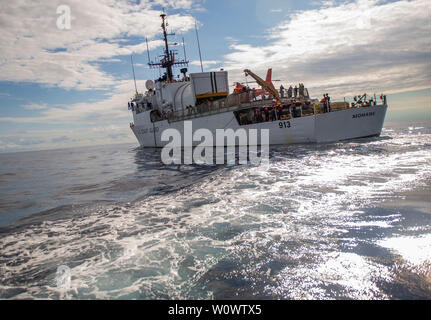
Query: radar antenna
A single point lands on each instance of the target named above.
(168, 58)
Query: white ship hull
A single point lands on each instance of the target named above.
(319, 128)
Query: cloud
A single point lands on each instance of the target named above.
(60, 138)
(86, 123)
(33, 49)
(35, 106)
(364, 45)
(111, 109)
(205, 63)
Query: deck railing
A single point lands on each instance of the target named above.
(244, 100)
(231, 103)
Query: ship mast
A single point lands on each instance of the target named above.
(168, 59)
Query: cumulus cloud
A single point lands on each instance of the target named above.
(56, 138)
(34, 49)
(205, 63)
(85, 123)
(108, 110)
(346, 48)
(35, 106)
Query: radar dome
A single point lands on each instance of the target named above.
(149, 85)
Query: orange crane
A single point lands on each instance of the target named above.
(265, 85)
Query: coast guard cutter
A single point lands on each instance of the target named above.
(203, 99)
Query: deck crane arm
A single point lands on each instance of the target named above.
(265, 85)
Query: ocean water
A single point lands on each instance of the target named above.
(347, 220)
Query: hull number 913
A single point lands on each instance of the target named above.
(284, 124)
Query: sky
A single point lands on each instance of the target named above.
(68, 85)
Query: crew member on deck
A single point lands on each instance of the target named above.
(323, 102)
(328, 102)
